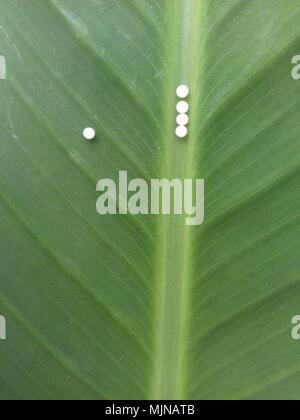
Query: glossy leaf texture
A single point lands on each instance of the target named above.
(144, 307)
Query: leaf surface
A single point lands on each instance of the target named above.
(125, 307)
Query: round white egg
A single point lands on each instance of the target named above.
(182, 91)
(89, 133)
(182, 107)
(181, 131)
(182, 119)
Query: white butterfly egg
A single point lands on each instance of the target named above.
(182, 91)
(182, 107)
(181, 131)
(89, 133)
(182, 119)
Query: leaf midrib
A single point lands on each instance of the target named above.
(173, 260)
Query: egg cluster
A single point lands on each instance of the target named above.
(182, 107)
(182, 118)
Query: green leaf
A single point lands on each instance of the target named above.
(141, 307)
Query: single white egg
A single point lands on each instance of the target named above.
(181, 131)
(182, 107)
(89, 133)
(182, 119)
(182, 91)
